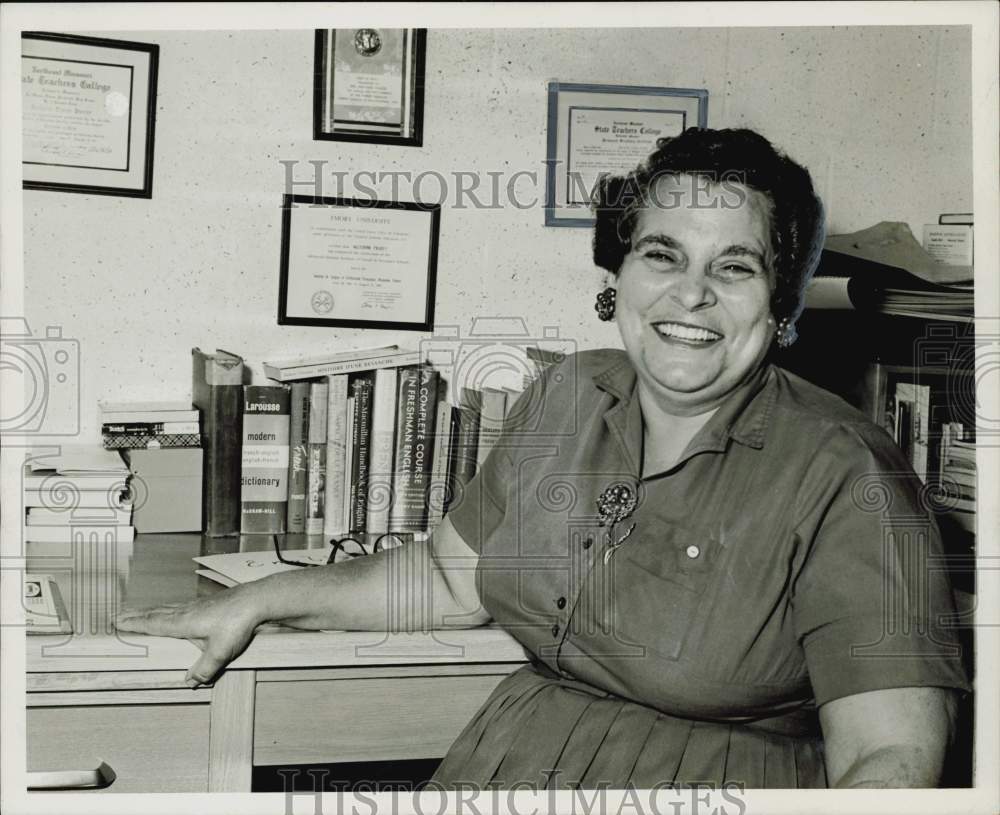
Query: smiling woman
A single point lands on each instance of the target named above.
(672, 531)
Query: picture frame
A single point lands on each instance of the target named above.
(358, 263)
(89, 114)
(368, 85)
(599, 129)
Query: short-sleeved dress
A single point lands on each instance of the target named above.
(786, 560)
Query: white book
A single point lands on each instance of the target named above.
(114, 516)
(323, 359)
(494, 408)
(337, 475)
(380, 481)
(394, 359)
(66, 533)
(85, 499)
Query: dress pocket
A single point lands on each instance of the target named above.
(661, 583)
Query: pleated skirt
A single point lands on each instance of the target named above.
(550, 733)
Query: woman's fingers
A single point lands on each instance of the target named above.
(165, 621)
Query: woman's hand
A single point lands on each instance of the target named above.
(221, 626)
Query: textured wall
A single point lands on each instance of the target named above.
(880, 115)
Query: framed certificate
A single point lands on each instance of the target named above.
(596, 130)
(358, 264)
(89, 110)
(368, 85)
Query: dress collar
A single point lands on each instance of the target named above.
(743, 417)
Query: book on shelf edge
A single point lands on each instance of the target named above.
(264, 475)
(150, 428)
(416, 413)
(493, 408)
(217, 393)
(48, 516)
(362, 385)
(271, 368)
(466, 443)
(394, 359)
(338, 427)
(298, 458)
(316, 482)
(130, 441)
(443, 438)
(68, 533)
(380, 481)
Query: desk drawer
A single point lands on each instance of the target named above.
(391, 718)
(151, 748)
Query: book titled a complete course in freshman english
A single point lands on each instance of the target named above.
(264, 472)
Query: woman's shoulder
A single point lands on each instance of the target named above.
(837, 430)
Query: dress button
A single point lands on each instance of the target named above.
(693, 551)
(561, 602)
(555, 630)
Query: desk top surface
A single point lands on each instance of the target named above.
(98, 579)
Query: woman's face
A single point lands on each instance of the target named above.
(693, 303)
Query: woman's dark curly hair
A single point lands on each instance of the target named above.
(733, 156)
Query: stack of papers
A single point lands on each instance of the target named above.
(245, 567)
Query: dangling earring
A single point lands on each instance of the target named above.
(605, 305)
(785, 333)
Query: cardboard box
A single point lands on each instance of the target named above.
(167, 489)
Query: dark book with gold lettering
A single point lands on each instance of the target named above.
(264, 483)
(361, 387)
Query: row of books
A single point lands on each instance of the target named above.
(78, 492)
(355, 442)
(941, 451)
(148, 425)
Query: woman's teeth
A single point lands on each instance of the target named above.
(684, 332)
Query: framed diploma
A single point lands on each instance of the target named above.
(368, 85)
(596, 130)
(359, 264)
(89, 109)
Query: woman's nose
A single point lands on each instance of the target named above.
(692, 291)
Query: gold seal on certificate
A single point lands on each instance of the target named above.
(597, 130)
(359, 264)
(369, 85)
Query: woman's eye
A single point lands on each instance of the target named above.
(734, 271)
(660, 257)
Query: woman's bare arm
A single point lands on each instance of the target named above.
(889, 738)
(432, 585)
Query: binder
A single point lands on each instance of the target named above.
(217, 392)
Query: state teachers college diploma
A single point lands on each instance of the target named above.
(358, 263)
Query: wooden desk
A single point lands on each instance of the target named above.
(291, 698)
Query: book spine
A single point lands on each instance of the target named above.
(467, 444)
(437, 493)
(217, 392)
(112, 516)
(494, 406)
(298, 458)
(129, 441)
(348, 367)
(417, 409)
(348, 505)
(264, 492)
(150, 428)
(337, 472)
(315, 505)
(290, 365)
(361, 387)
(154, 416)
(380, 481)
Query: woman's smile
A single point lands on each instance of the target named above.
(686, 334)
